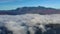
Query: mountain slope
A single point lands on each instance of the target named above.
(34, 10)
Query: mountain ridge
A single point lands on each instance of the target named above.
(34, 10)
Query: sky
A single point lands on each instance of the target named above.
(13, 4)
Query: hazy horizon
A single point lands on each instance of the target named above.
(13, 4)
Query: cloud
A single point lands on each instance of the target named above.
(4, 1)
(9, 0)
(14, 23)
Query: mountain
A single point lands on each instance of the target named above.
(34, 10)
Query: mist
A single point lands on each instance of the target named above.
(20, 24)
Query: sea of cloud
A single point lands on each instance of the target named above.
(20, 24)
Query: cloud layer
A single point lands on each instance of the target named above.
(19, 24)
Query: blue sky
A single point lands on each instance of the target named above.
(13, 4)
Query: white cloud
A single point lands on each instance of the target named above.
(13, 23)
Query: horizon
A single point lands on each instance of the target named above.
(27, 6)
(13, 4)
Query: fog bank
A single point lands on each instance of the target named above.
(20, 24)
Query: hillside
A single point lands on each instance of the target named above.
(34, 10)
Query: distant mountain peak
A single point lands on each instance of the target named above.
(33, 10)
